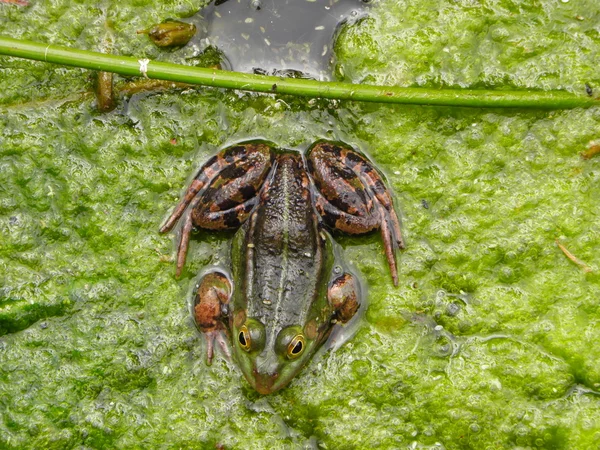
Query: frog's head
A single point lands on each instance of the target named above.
(271, 357)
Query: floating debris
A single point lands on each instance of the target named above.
(568, 254)
(592, 150)
(147, 85)
(170, 34)
(104, 92)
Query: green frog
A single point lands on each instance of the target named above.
(285, 292)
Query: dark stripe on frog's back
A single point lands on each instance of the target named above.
(287, 250)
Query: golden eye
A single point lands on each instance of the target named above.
(244, 338)
(251, 336)
(296, 347)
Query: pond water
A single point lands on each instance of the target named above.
(489, 341)
(269, 35)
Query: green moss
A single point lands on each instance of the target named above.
(488, 341)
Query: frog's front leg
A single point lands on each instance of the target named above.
(223, 192)
(343, 296)
(211, 311)
(352, 197)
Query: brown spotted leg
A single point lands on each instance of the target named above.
(374, 180)
(211, 311)
(204, 176)
(223, 192)
(352, 197)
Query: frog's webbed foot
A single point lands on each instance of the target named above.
(344, 297)
(222, 193)
(211, 337)
(211, 311)
(352, 197)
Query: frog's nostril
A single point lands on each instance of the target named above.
(273, 375)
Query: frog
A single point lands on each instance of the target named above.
(284, 291)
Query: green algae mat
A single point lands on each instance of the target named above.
(489, 341)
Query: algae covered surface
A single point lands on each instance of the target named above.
(489, 341)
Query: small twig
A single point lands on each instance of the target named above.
(16, 2)
(572, 257)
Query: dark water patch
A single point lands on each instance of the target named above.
(278, 35)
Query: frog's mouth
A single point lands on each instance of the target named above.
(266, 383)
(269, 374)
(266, 373)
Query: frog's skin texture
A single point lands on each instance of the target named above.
(283, 297)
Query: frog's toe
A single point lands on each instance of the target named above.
(219, 337)
(223, 344)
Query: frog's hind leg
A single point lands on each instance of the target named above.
(352, 197)
(211, 311)
(201, 216)
(222, 193)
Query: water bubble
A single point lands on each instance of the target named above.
(452, 309)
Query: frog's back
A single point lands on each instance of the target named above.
(284, 259)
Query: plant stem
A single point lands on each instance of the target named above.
(124, 65)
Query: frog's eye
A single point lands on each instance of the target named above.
(290, 342)
(251, 336)
(296, 347)
(244, 338)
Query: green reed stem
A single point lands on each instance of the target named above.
(124, 65)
